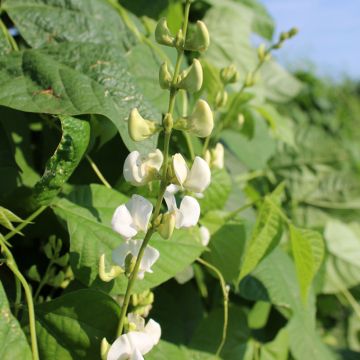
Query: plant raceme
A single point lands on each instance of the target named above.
(137, 219)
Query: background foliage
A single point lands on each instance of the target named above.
(291, 258)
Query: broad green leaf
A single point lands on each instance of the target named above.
(13, 343)
(68, 154)
(227, 247)
(88, 211)
(41, 22)
(5, 46)
(166, 351)
(278, 349)
(254, 153)
(308, 250)
(264, 237)
(216, 195)
(259, 314)
(73, 325)
(342, 263)
(208, 334)
(74, 79)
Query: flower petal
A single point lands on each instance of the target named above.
(154, 160)
(204, 235)
(185, 275)
(131, 168)
(122, 222)
(119, 254)
(181, 170)
(150, 257)
(153, 329)
(136, 355)
(120, 349)
(170, 201)
(140, 210)
(190, 212)
(199, 176)
(140, 341)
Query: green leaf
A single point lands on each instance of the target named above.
(72, 326)
(216, 195)
(166, 351)
(88, 211)
(13, 343)
(264, 238)
(7, 217)
(74, 79)
(308, 250)
(5, 46)
(342, 263)
(68, 154)
(254, 152)
(41, 22)
(226, 250)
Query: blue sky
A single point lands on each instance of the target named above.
(329, 37)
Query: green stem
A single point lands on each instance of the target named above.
(8, 37)
(163, 184)
(43, 281)
(206, 145)
(97, 171)
(189, 145)
(225, 298)
(17, 304)
(26, 222)
(10, 262)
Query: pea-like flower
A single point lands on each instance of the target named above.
(132, 247)
(134, 344)
(132, 217)
(140, 170)
(197, 179)
(187, 214)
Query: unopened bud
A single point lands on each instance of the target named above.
(240, 120)
(165, 78)
(107, 276)
(140, 128)
(250, 80)
(200, 122)
(167, 225)
(293, 31)
(130, 262)
(191, 79)
(221, 98)
(229, 74)
(283, 36)
(261, 52)
(162, 33)
(104, 349)
(168, 122)
(198, 39)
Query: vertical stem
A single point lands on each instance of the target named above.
(10, 262)
(163, 184)
(97, 171)
(17, 304)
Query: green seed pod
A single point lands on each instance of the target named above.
(140, 128)
(162, 33)
(191, 79)
(165, 78)
(198, 39)
(229, 74)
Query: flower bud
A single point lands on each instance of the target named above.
(250, 80)
(167, 225)
(221, 98)
(198, 39)
(165, 77)
(200, 122)
(215, 157)
(130, 261)
(104, 349)
(229, 74)
(140, 128)
(293, 31)
(107, 276)
(162, 33)
(283, 36)
(261, 52)
(240, 120)
(191, 79)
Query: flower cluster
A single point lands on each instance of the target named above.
(137, 219)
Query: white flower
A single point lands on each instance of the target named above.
(185, 275)
(197, 179)
(134, 344)
(215, 157)
(187, 214)
(132, 247)
(204, 235)
(132, 217)
(139, 170)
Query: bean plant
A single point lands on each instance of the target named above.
(169, 191)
